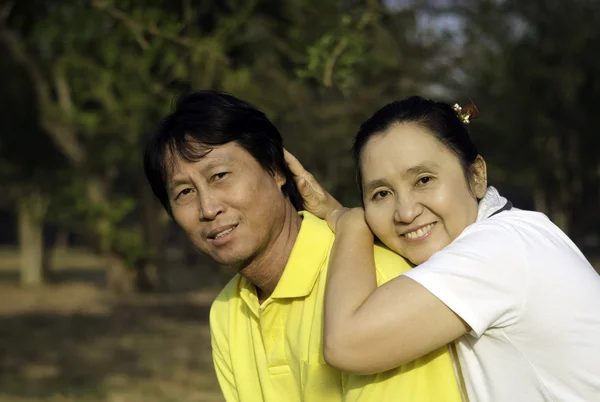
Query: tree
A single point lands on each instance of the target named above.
(532, 67)
(26, 157)
(95, 123)
(104, 71)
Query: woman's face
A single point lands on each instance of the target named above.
(417, 199)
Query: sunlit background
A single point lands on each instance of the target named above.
(101, 297)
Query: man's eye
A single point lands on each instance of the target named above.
(184, 192)
(219, 176)
(380, 195)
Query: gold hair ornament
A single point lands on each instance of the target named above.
(467, 112)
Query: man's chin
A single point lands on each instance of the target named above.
(235, 262)
(231, 257)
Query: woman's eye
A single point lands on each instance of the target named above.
(380, 195)
(424, 180)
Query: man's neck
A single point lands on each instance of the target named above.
(265, 271)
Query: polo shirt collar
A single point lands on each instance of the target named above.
(308, 256)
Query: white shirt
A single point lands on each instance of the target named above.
(532, 301)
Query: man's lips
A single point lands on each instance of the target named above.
(221, 231)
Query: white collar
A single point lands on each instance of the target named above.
(491, 202)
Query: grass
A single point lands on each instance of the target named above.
(74, 341)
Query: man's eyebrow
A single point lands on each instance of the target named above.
(178, 182)
(212, 162)
(209, 165)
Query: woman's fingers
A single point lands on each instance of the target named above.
(309, 188)
(316, 200)
(294, 164)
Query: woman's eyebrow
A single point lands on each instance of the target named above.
(374, 184)
(421, 168)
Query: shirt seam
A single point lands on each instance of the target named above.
(529, 364)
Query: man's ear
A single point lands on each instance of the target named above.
(280, 179)
(479, 177)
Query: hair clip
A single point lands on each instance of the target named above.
(467, 112)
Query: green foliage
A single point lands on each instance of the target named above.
(128, 244)
(321, 55)
(318, 68)
(533, 73)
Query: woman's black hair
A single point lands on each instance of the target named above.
(438, 117)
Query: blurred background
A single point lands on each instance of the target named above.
(101, 297)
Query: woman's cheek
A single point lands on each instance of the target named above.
(375, 219)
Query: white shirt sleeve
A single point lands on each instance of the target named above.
(481, 276)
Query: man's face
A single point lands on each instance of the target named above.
(229, 206)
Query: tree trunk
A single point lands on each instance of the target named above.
(155, 223)
(120, 278)
(32, 209)
(61, 242)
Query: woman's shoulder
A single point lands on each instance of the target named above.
(497, 239)
(513, 223)
(514, 234)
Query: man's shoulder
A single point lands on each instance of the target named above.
(220, 306)
(315, 226)
(230, 290)
(388, 264)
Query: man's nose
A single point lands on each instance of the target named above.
(210, 206)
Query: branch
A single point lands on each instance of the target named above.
(138, 29)
(366, 18)
(50, 118)
(63, 92)
(188, 12)
(332, 60)
(16, 49)
(280, 44)
(234, 23)
(5, 11)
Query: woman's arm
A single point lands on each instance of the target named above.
(370, 329)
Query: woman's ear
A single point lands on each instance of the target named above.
(479, 177)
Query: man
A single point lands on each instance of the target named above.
(217, 166)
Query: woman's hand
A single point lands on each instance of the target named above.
(316, 200)
(352, 219)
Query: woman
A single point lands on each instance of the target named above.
(513, 291)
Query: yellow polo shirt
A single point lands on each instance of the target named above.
(273, 352)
